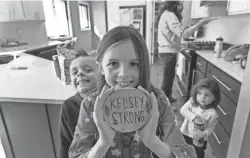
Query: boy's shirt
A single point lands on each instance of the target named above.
(68, 120)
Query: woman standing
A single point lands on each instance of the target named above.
(170, 32)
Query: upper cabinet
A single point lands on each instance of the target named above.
(11, 11)
(238, 7)
(33, 10)
(201, 10)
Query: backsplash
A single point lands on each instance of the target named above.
(233, 29)
(33, 32)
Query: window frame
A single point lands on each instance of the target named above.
(84, 4)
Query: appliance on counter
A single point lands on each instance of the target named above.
(186, 63)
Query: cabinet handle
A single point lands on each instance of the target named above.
(193, 77)
(223, 84)
(199, 63)
(223, 112)
(217, 139)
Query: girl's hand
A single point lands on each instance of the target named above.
(148, 133)
(205, 21)
(106, 134)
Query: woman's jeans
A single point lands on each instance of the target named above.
(169, 61)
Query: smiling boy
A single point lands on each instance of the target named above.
(83, 71)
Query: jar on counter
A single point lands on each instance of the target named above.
(218, 47)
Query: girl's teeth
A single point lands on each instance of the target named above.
(124, 83)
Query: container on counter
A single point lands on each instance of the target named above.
(199, 127)
(56, 66)
(218, 47)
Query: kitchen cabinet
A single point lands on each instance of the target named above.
(198, 11)
(230, 89)
(4, 137)
(54, 115)
(11, 11)
(33, 10)
(238, 7)
(28, 129)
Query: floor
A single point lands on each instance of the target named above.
(156, 79)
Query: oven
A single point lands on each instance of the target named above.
(186, 63)
(185, 66)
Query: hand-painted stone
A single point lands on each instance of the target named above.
(127, 109)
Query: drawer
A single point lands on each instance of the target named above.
(201, 64)
(219, 141)
(228, 85)
(226, 111)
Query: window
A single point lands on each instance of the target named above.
(84, 16)
(56, 18)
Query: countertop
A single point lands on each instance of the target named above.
(37, 84)
(20, 49)
(230, 68)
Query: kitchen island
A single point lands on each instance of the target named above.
(30, 102)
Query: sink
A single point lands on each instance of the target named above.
(4, 59)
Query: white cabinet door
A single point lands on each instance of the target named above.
(15, 10)
(198, 11)
(4, 12)
(11, 11)
(33, 10)
(238, 7)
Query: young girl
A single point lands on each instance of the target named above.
(123, 61)
(83, 72)
(205, 97)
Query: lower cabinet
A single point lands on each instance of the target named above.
(230, 89)
(32, 129)
(219, 141)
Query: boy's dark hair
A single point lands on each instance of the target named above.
(210, 84)
(81, 52)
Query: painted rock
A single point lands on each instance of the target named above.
(127, 109)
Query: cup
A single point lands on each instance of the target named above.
(199, 127)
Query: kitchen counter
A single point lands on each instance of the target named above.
(19, 49)
(230, 68)
(37, 84)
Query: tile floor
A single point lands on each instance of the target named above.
(156, 79)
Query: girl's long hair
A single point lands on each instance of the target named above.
(213, 86)
(120, 34)
(172, 7)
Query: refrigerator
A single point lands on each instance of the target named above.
(134, 16)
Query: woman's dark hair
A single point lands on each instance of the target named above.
(213, 86)
(121, 34)
(171, 6)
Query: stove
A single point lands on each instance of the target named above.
(186, 63)
(205, 45)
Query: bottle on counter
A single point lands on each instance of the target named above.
(218, 47)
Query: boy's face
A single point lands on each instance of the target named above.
(83, 73)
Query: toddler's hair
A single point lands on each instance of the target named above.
(211, 85)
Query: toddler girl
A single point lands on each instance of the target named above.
(205, 96)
